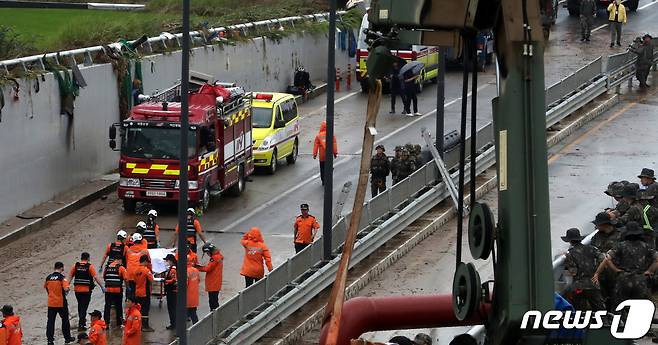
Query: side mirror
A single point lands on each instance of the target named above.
(113, 144)
(113, 132)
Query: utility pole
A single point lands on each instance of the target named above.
(440, 101)
(329, 139)
(181, 300)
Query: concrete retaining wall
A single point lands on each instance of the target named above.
(43, 153)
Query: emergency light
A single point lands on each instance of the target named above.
(264, 97)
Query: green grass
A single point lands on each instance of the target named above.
(55, 29)
(34, 31)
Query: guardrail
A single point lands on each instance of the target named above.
(165, 40)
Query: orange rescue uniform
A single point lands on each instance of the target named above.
(214, 271)
(320, 143)
(197, 228)
(123, 274)
(82, 287)
(192, 258)
(132, 331)
(255, 252)
(141, 276)
(133, 254)
(305, 228)
(14, 332)
(55, 284)
(97, 334)
(193, 280)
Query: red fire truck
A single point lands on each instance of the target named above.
(220, 146)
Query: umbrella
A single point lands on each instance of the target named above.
(414, 66)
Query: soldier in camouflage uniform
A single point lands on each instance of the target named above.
(395, 163)
(419, 156)
(581, 261)
(379, 170)
(634, 261)
(406, 167)
(615, 190)
(412, 152)
(605, 239)
(629, 199)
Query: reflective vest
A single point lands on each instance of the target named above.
(116, 252)
(647, 225)
(191, 230)
(82, 275)
(149, 235)
(173, 287)
(112, 277)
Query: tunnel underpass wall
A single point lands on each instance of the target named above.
(43, 153)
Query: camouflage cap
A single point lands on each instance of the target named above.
(398, 148)
(617, 189)
(610, 190)
(417, 148)
(422, 339)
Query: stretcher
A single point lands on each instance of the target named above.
(159, 268)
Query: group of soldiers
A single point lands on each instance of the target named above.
(406, 160)
(620, 261)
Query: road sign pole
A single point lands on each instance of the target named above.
(181, 301)
(329, 149)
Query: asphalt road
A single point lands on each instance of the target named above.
(271, 202)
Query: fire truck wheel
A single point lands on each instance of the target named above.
(292, 158)
(273, 163)
(239, 187)
(205, 198)
(129, 205)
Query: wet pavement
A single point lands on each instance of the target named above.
(271, 202)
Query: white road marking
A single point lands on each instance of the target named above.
(647, 5)
(335, 102)
(336, 163)
(599, 28)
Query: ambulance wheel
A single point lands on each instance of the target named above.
(292, 158)
(239, 186)
(273, 163)
(129, 205)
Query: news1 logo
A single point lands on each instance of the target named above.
(637, 323)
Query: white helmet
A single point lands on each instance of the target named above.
(191, 210)
(141, 225)
(153, 213)
(137, 237)
(122, 234)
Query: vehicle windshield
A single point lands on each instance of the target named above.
(155, 142)
(261, 117)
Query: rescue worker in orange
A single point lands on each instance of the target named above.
(3, 334)
(171, 289)
(255, 253)
(83, 274)
(133, 254)
(306, 226)
(116, 250)
(143, 279)
(57, 287)
(97, 334)
(193, 230)
(193, 280)
(152, 231)
(12, 324)
(132, 330)
(214, 271)
(191, 256)
(114, 276)
(320, 145)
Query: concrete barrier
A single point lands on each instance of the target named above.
(44, 153)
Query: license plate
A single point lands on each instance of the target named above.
(156, 193)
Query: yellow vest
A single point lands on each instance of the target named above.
(621, 18)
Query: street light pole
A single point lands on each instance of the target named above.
(181, 300)
(329, 138)
(440, 100)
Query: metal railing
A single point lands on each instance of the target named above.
(165, 40)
